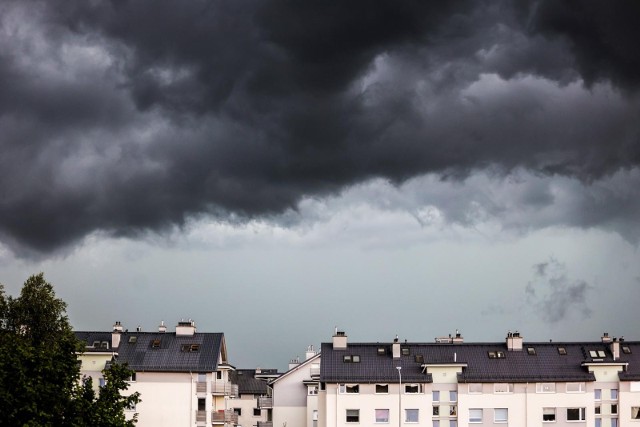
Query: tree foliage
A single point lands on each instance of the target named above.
(40, 381)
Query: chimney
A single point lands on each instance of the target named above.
(395, 348)
(310, 353)
(162, 327)
(606, 338)
(115, 335)
(458, 338)
(186, 328)
(615, 348)
(514, 341)
(339, 340)
(294, 362)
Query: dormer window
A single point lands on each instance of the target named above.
(349, 388)
(155, 343)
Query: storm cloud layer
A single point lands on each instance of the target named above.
(122, 117)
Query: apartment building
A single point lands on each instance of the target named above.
(183, 376)
(254, 404)
(451, 383)
(98, 352)
(295, 393)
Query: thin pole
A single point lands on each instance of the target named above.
(399, 396)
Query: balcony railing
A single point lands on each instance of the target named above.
(201, 416)
(314, 372)
(224, 417)
(201, 387)
(265, 423)
(224, 388)
(265, 402)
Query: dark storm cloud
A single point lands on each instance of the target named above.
(128, 116)
(554, 294)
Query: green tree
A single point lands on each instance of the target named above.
(39, 368)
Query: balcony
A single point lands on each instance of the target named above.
(314, 372)
(201, 387)
(224, 388)
(224, 417)
(265, 423)
(265, 402)
(201, 416)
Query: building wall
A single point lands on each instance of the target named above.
(247, 403)
(292, 405)
(92, 365)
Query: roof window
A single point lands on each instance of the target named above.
(419, 358)
(381, 351)
(155, 343)
(405, 351)
(351, 358)
(626, 349)
(562, 351)
(190, 348)
(133, 339)
(531, 351)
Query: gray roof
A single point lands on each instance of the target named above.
(547, 364)
(90, 338)
(173, 353)
(247, 383)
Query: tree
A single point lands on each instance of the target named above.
(39, 369)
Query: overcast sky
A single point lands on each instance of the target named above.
(274, 169)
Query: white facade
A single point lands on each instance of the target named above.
(295, 395)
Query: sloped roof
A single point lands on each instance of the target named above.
(90, 337)
(170, 355)
(247, 383)
(545, 363)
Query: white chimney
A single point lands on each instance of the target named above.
(115, 335)
(514, 341)
(186, 328)
(309, 353)
(458, 338)
(395, 348)
(615, 348)
(606, 338)
(294, 362)
(339, 340)
(162, 327)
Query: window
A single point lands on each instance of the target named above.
(353, 415)
(503, 388)
(101, 382)
(411, 415)
(548, 414)
(349, 388)
(576, 414)
(453, 396)
(635, 412)
(382, 388)
(614, 422)
(575, 387)
(155, 343)
(492, 355)
(500, 354)
(436, 423)
(312, 390)
(453, 423)
(562, 351)
(419, 358)
(237, 411)
(435, 396)
(346, 358)
(614, 409)
(133, 340)
(601, 353)
(531, 351)
(351, 358)
(500, 415)
(626, 349)
(355, 358)
(133, 377)
(593, 353)
(475, 415)
(405, 351)
(614, 394)
(475, 388)
(545, 387)
(598, 422)
(453, 411)
(131, 407)
(597, 394)
(413, 388)
(597, 409)
(381, 351)
(436, 411)
(257, 412)
(382, 415)
(218, 375)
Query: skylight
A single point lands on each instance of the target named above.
(531, 351)
(562, 351)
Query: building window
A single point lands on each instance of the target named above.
(453, 411)
(349, 388)
(436, 410)
(453, 423)
(635, 412)
(453, 396)
(436, 423)
(405, 351)
(562, 351)
(381, 351)
(131, 407)
(435, 396)
(614, 409)
(312, 390)
(475, 388)
(237, 411)
(419, 358)
(475, 415)
(500, 415)
(576, 414)
(626, 349)
(597, 394)
(597, 409)
(531, 351)
(411, 415)
(382, 415)
(351, 358)
(101, 382)
(598, 422)
(503, 388)
(413, 388)
(257, 412)
(614, 394)
(575, 387)
(545, 387)
(614, 422)
(353, 415)
(382, 388)
(548, 414)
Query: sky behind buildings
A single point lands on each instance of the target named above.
(276, 169)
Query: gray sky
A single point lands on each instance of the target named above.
(275, 169)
